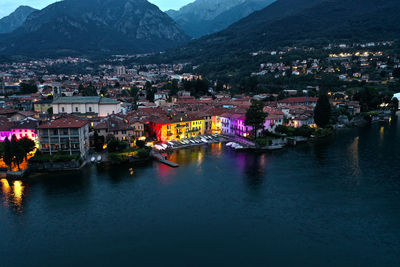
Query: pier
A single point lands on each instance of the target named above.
(163, 160)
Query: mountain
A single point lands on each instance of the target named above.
(94, 26)
(204, 17)
(15, 19)
(295, 22)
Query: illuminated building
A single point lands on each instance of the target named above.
(176, 127)
(68, 134)
(21, 129)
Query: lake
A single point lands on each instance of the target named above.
(333, 202)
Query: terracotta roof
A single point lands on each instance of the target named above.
(301, 99)
(5, 124)
(64, 122)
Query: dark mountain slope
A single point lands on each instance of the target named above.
(15, 19)
(288, 22)
(204, 17)
(94, 26)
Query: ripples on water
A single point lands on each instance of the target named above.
(333, 202)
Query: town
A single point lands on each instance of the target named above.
(123, 109)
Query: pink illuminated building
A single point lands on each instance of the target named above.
(21, 129)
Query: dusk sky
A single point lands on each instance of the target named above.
(8, 6)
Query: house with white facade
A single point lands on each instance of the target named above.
(86, 105)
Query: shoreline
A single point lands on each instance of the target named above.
(222, 139)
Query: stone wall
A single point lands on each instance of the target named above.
(55, 166)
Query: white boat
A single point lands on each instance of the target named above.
(169, 142)
(165, 146)
(229, 144)
(158, 147)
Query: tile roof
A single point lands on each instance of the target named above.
(84, 99)
(64, 122)
(301, 99)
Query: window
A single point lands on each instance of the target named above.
(76, 109)
(90, 109)
(62, 109)
(55, 132)
(65, 132)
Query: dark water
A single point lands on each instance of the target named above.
(332, 203)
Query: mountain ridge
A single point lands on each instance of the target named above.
(92, 26)
(291, 22)
(204, 17)
(15, 19)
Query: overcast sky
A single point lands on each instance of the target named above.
(8, 6)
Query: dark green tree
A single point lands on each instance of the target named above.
(394, 105)
(27, 145)
(255, 116)
(98, 142)
(396, 73)
(7, 156)
(322, 111)
(17, 152)
(134, 91)
(28, 88)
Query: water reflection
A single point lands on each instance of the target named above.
(354, 156)
(253, 166)
(13, 195)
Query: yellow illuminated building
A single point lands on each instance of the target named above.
(182, 129)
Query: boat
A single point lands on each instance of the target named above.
(164, 146)
(229, 144)
(274, 147)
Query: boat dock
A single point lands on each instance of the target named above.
(162, 159)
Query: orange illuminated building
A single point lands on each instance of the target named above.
(176, 127)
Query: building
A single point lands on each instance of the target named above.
(298, 101)
(114, 127)
(86, 105)
(176, 127)
(21, 129)
(42, 106)
(275, 118)
(234, 124)
(69, 134)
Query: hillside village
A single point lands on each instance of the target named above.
(74, 105)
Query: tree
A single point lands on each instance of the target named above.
(322, 112)
(7, 157)
(87, 91)
(98, 142)
(255, 116)
(140, 143)
(394, 105)
(134, 91)
(28, 145)
(17, 152)
(396, 73)
(115, 145)
(28, 88)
